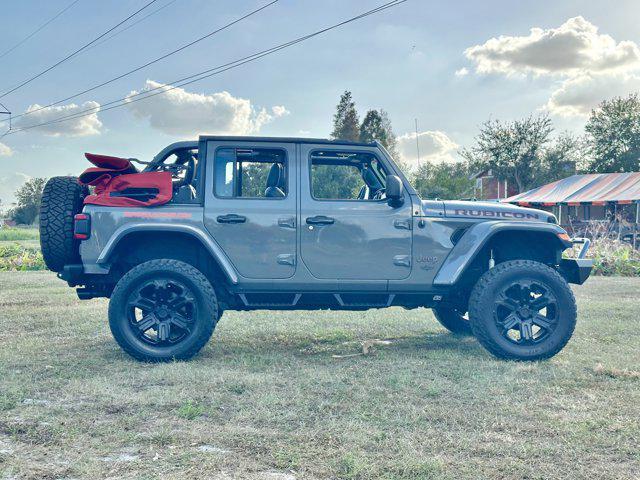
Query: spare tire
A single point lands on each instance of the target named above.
(61, 199)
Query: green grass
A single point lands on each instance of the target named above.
(7, 234)
(266, 399)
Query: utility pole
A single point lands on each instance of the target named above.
(417, 143)
(5, 111)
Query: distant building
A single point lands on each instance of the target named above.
(579, 199)
(7, 222)
(488, 187)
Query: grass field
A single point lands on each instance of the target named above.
(266, 399)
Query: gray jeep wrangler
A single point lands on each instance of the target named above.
(307, 224)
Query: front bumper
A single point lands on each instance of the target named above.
(577, 270)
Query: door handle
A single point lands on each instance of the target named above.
(231, 218)
(320, 220)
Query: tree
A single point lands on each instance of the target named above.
(376, 125)
(613, 132)
(512, 151)
(345, 120)
(560, 160)
(28, 198)
(446, 181)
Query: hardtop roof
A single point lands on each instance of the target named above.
(322, 141)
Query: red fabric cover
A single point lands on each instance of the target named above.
(105, 167)
(107, 184)
(105, 161)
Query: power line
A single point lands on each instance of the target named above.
(131, 25)
(143, 95)
(6, 52)
(206, 73)
(75, 52)
(173, 52)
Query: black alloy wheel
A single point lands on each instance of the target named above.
(163, 310)
(522, 310)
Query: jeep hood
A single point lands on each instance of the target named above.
(495, 211)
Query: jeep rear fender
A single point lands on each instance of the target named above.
(162, 228)
(479, 235)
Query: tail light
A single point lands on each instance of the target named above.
(81, 226)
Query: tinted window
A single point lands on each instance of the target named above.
(250, 173)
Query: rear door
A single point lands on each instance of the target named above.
(250, 207)
(347, 232)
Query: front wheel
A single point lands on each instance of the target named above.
(163, 310)
(522, 310)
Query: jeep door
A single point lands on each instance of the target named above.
(250, 206)
(347, 229)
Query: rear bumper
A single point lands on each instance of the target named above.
(72, 274)
(576, 270)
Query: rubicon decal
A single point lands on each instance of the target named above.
(467, 212)
(157, 215)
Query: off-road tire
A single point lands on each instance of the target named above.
(451, 319)
(203, 324)
(61, 199)
(483, 301)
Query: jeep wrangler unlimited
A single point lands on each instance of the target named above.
(291, 223)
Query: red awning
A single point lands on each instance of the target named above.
(596, 188)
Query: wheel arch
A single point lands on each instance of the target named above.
(506, 240)
(181, 242)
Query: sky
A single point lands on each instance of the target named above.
(450, 65)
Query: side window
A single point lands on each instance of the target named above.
(339, 175)
(250, 173)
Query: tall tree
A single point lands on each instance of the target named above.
(613, 132)
(376, 125)
(345, 120)
(561, 159)
(511, 150)
(28, 198)
(446, 181)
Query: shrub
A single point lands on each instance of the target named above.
(612, 257)
(15, 257)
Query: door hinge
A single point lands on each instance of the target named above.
(402, 260)
(287, 222)
(287, 259)
(403, 224)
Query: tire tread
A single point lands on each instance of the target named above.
(485, 282)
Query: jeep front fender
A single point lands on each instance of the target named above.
(477, 236)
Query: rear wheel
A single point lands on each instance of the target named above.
(62, 198)
(453, 319)
(522, 310)
(163, 310)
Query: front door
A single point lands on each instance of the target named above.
(348, 231)
(250, 208)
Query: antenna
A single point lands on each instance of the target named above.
(417, 143)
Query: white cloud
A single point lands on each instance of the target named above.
(76, 127)
(572, 48)
(462, 72)
(592, 66)
(280, 111)
(435, 146)
(8, 186)
(5, 150)
(577, 96)
(178, 112)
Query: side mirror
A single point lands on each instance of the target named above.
(394, 191)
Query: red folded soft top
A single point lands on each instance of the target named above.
(117, 183)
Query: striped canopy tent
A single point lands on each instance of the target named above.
(591, 189)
